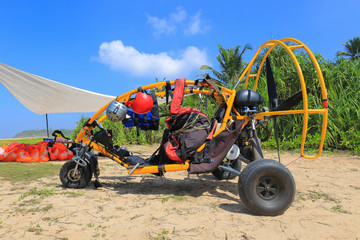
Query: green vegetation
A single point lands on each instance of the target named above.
(231, 65)
(40, 133)
(339, 208)
(315, 195)
(19, 172)
(42, 193)
(162, 235)
(37, 229)
(24, 140)
(166, 198)
(352, 49)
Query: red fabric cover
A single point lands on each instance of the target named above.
(29, 153)
(177, 96)
(39, 152)
(170, 151)
(43, 151)
(60, 152)
(2, 151)
(11, 152)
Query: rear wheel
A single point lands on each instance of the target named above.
(225, 175)
(73, 175)
(266, 187)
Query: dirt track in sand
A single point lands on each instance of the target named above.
(327, 206)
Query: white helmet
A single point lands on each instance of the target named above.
(116, 111)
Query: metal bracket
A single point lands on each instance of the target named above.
(133, 169)
(229, 169)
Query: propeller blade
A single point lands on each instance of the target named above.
(273, 98)
(292, 101)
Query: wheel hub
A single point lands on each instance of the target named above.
(74, 175)
(267, 188)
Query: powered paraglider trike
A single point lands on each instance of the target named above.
(196, 144)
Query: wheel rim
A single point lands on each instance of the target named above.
(230, 163)
(268, 188)
(73, 175)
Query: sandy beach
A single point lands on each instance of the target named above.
(182, 206)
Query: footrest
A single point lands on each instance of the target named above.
(132, 166)
(133, 160)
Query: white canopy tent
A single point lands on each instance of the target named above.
(43, 96)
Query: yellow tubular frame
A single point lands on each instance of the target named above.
(227, 96)
(298, 45)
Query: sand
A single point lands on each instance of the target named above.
(182, 206)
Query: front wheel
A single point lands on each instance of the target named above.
(73, 175)
(266, 187)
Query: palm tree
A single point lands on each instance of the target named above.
(231, 65)
(352, 49)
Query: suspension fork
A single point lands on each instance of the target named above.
(78, 159)
(255, 140)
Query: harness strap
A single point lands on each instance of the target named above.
(207, 79)
(189, 126)
(146, 122)
(182, 148)
(167, 91)
(214, 122)
(177, 96)
(161, 169)
(136, 124)
(207, 158)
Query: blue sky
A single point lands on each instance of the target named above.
(111, 47)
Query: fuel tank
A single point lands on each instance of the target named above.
(247, 98)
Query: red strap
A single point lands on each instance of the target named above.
(210, 136)
(177, 96)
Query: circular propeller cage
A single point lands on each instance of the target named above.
(290, 44)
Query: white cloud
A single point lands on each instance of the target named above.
(128, 59)
(178, 20)
(196, 25)
(161, 26)
(178, 16)
(167, 26)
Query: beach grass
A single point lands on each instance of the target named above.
(21, 140)
(27, 172)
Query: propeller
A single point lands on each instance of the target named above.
(288, 104)
(273, 99)
(292, 101)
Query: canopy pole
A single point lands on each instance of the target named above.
(47, 126)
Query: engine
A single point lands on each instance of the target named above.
(247, 99)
